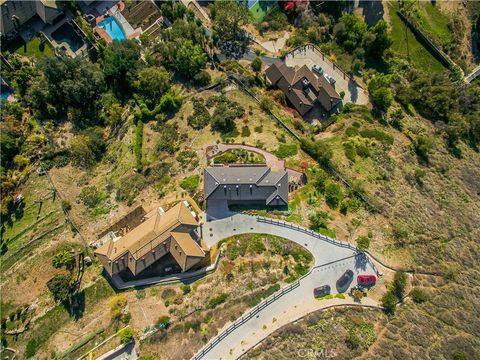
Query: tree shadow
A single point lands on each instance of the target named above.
(361, 261)
(76, 305)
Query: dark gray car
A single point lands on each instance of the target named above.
(344, 281)
(321, 291)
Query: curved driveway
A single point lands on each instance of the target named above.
(332, 259)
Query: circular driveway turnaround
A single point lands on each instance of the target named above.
(331, 259)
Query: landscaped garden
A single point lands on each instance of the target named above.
(37, 47)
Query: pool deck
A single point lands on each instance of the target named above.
(116, 12)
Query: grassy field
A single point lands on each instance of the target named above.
(35, 47)
(433, 21)
(406, 44)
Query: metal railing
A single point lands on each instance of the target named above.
(244, 318)
(318, 236)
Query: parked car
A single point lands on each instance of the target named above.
(330, 79)
(366, 280)
(344, 280)
(317, 68)
(321, 291)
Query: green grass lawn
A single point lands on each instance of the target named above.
(404, 42)
(35, 48)
(434, 22)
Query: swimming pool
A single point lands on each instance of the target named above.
(65, 33)
(113, 28)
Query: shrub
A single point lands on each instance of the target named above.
(66, 206)
(246, 131)
(186, 289)
(203, 78)
(200, 117)
(31, 348)
(379, 135)
(91, 196)
(217, 300)
(352, 340)
(168, 294)
(333, 195)
(350, 151)
(117, 304)
(163, 322)
(60, 287)
(418, 296)
(422, 146)
(126, 335)
(190, 183)
(63, 258)
(363, 242)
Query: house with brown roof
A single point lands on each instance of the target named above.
(303, 89)
(171, 232)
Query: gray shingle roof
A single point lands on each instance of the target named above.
(269, 185)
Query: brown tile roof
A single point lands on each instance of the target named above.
(291, 82)
(188, 245)
(152, 232)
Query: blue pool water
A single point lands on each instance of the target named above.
(113, 28)
(5, 92)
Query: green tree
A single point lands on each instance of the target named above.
(63, 258)
(87, 147)
(189, 59)
(126, 335)
(380, 92)
(163, 322)
(333, 195)
(389, 302)
(152, 82)
(60, 287)
(223, 119)
(67, 85)
(349, 31)
(399, 284)
(422, 146)
(381, 39)
(120, 65)
(228, 19)
(257, 65)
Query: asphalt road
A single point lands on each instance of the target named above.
(331, 261)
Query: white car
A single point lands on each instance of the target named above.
(317, 68)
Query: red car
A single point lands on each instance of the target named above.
(366, 280)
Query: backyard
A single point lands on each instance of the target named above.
(36, 47)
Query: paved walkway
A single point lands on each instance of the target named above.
(332, 259)
(271, 160)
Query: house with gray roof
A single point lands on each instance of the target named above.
(303, 89)
(246, 185)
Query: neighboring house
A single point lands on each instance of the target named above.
(246, 185)
(303, 88)
(171, 232)
(15, 13)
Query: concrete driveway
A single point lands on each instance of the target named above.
(332, 259)
(310, 55)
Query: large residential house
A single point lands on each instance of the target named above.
(303, 88)
(15, 13)
(173, 231)
(246, 185)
